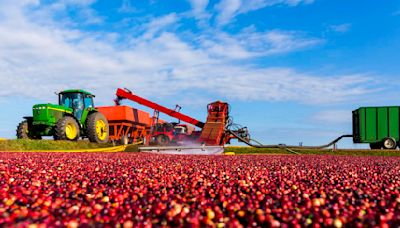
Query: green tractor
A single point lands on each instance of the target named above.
(73, 117)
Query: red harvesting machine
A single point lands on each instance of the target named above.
(132, 125)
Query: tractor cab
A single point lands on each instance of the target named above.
(180, 129)
(77, 100)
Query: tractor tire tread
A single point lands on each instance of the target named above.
(22, 130)
(162, 140)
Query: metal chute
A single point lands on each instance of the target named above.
(184, 150)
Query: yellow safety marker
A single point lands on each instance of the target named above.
(229, 153)
(60, 110)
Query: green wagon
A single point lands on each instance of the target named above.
(378, 126)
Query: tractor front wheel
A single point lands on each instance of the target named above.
(23, 131)
(67, 129)
(97, 128)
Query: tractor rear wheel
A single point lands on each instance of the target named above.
(67, 129)
(22, 130)
(162, 140)
(97, 128)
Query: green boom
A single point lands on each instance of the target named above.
(73, 117)
(378, 126)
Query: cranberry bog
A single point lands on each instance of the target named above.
(245, 150)
(144, 190)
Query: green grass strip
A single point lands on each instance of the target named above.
(47, 145)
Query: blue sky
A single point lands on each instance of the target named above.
(292, 70)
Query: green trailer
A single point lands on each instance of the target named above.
(378, 126)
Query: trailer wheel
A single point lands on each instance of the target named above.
(162, 140)
(124, 140)
(389, 144)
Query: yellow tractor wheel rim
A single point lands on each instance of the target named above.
(101, 129)
(71, 131)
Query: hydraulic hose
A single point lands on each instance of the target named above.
(283, 146)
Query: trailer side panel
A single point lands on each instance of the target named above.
(374, 124)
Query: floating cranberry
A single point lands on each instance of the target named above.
(144, 190)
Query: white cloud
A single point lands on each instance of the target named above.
(84, 14)
(37, 59)
(126, 7)
(275, 42)
(199, 8)
(250, 43)
(341, 28)
(160, 24)
(229, 9)
(78, 2)
(282, 84)
(259, 4)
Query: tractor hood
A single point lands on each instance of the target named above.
(49, 114)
